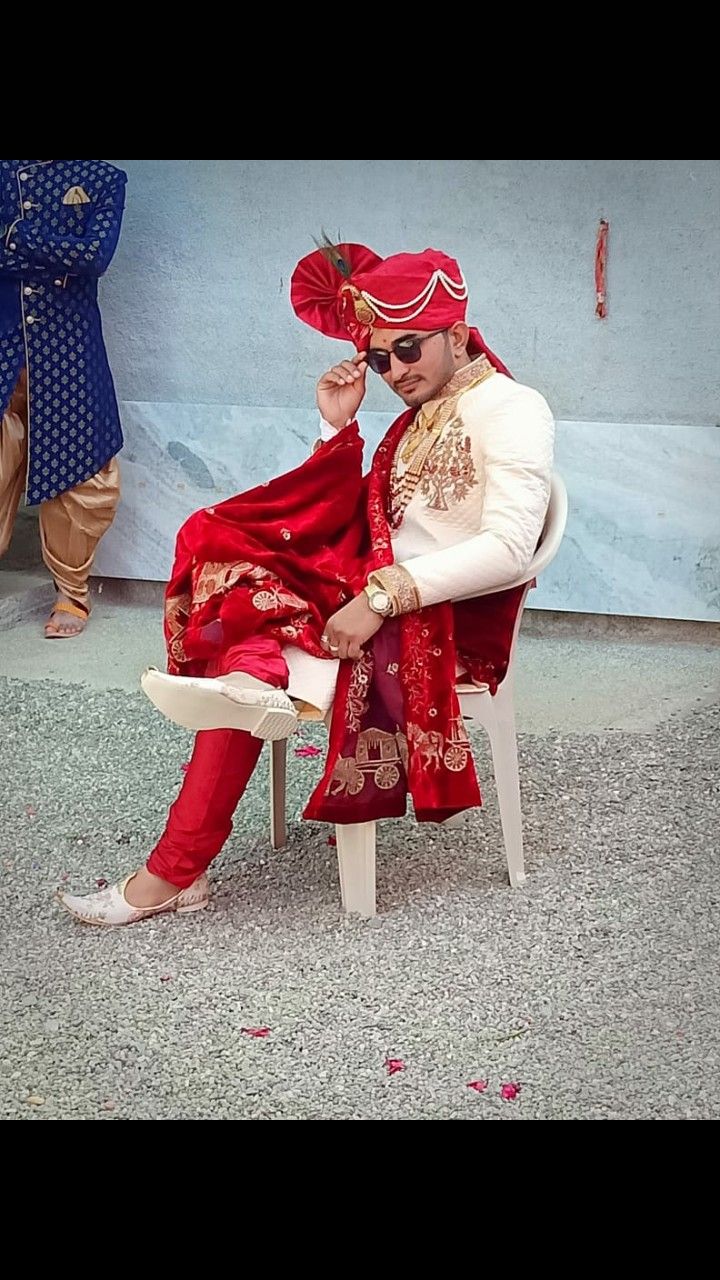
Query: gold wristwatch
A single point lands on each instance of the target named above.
(378, 599)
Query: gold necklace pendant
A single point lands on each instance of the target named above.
(410, 449)
(413, 438)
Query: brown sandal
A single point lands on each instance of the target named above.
(53, 632)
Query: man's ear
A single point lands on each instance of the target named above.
(459, 334)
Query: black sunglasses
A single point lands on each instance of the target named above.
(407, 350)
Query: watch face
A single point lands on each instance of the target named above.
(380, 601)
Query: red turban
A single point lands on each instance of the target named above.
(346, 291)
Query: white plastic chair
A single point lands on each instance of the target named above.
(496, 714)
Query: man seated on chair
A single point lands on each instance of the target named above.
(326, 589)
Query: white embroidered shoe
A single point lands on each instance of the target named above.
(110, 907)
(236, 701)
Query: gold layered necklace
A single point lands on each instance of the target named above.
(424, 432)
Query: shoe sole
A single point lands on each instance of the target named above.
(210, 706)
(108, 924)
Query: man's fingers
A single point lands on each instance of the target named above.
(341, 375)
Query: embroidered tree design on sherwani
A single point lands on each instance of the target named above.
(449, 473)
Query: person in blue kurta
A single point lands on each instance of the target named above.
(59, 227)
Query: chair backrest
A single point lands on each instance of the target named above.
(553, 528)
(552, 535)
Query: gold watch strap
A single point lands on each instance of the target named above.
(399, 585)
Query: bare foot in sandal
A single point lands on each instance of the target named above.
(67, 619)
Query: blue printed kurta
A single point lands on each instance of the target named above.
(59, 226)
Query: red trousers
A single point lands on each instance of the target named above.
(222, 763)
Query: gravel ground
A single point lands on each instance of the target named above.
(595, 988)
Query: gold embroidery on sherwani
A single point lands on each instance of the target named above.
(449, 473)
(423, 434)
(400, 586)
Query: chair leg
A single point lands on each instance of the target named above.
(356, 861)
(278, 772)
(503, 744)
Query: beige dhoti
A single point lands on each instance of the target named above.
(71, 524)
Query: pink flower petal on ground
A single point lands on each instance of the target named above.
(308, 751)
(478, 1085)
(184, 767)
(102, 883)
(509, 1091)
(30, 811)
(258, 1033)
(394, 1065)
(332, 841)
